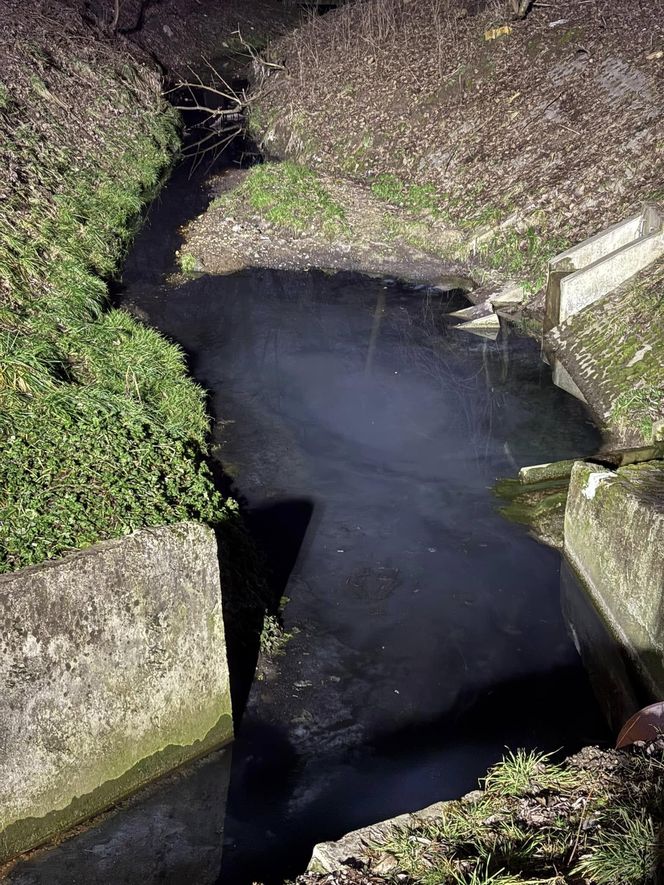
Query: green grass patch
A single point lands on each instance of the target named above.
(524, 254)
(290, 196)
(528, 773)
(415, 197)
(102, 431)
(625, 852)
(188, 262)
(538, 823)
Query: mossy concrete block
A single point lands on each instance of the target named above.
(113, 670)
(618, 687)
(614, 351)
(553, 470)
(614, 538)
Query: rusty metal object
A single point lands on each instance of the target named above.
(646, 725)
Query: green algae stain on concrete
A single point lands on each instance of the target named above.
(614, 350)
(539, 505)
(114, 663)
(28, 833)
(614, 523)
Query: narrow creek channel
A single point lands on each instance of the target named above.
(364, 436)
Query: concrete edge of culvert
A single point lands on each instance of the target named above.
(115, 673)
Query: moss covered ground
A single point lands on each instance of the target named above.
(288, 196)
(102, 431)
(615, 349)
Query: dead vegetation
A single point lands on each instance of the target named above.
(532, 132)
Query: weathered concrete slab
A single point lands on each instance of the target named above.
(637, 455)
(563, 380)
(508, 295)
(591, 269)
(475, 311)
(544, 472)
(614, 538)
(479, 319)
(113, 670)
(330, 856)
(489, 332)
(489, 321)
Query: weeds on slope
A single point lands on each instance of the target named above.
(290, 196)
(432, 93)
(102, 432)
(591, 821)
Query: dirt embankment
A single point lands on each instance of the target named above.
(285, 216)
(102, 430)
(532, 134)
(181, 35)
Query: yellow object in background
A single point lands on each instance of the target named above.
(494, 33)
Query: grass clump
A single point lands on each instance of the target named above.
(291, 196)
(415, 197)
(528, 773)
(188, 263)
(626, 853)
(274, 638)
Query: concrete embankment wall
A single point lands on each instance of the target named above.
(113, 667)
(614, 532)
(614, 352)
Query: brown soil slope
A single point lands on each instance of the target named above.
(534, 133)
(179, 34)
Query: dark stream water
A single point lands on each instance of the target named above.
(365, 435)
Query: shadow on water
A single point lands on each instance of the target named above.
(470, 737)
(267, 556)
(279, 529)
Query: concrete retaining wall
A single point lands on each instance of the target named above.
(614, 534)
(113, 670)
(614, 350)
(591, 269)
(588, 285)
